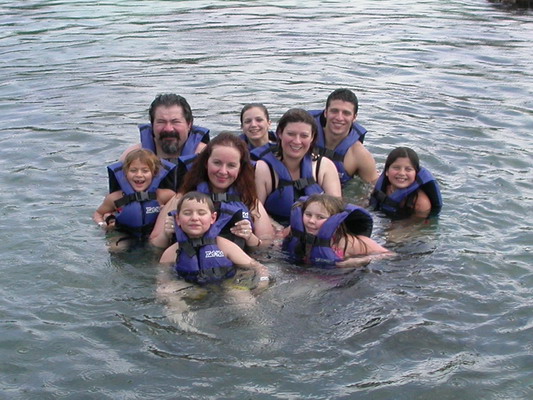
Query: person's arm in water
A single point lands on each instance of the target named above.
(243, 260)
(107, 207)
(169, 255)
(362, 245)
(361, 250)
(422, 205)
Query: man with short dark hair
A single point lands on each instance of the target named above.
(340, 138)
(171, 134)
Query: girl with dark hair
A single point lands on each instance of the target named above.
(404, 188)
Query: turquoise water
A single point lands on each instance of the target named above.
(451, 317)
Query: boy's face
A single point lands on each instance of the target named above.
(139, 176)
(195, 218)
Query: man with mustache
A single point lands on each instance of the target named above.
(340, 138)
(171, 134)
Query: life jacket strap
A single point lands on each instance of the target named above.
(299, 184)
(133, 197)
(225, 197)
(269, 149)
(331, 154)
(208, 275)
(309, 239)
(215, 274)
(191, 246)
(385, 200)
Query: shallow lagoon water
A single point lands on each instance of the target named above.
(450, 317)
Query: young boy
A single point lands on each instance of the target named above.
(202, 257)
(201, 252)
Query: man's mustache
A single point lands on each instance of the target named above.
(169, 135)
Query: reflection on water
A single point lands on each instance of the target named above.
(448, 317)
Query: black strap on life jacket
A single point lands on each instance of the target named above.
(225, 197)
(299, 184)
(192, 246)
(383, 199)
(133, 197)
(309, 239)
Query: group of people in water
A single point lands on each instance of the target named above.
(207, 201)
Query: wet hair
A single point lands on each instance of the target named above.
(404, 152)
(254, 105)
(333, 205)
(344, 95)
(198, 197)
(169, 100)
(245, 182)
(145, 156)
(292, 116)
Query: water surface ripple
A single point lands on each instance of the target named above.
(451, 317)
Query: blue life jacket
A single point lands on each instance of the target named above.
(358, 221)
(200, 260)
(260, 152)
(272, 138)
(357, 133)
(257, 153)
(230, 209)
(196, 136)
(184, 163)
(391, 204)
(137, 211)
(279, 202)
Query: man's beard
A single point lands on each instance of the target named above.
(170, 146)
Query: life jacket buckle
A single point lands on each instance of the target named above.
(302, 183)
(142, 196)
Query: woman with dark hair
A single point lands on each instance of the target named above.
(404, 188)
(224, 172)
(294, 171)
(255, 125)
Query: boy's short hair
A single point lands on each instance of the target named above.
(197, 196)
